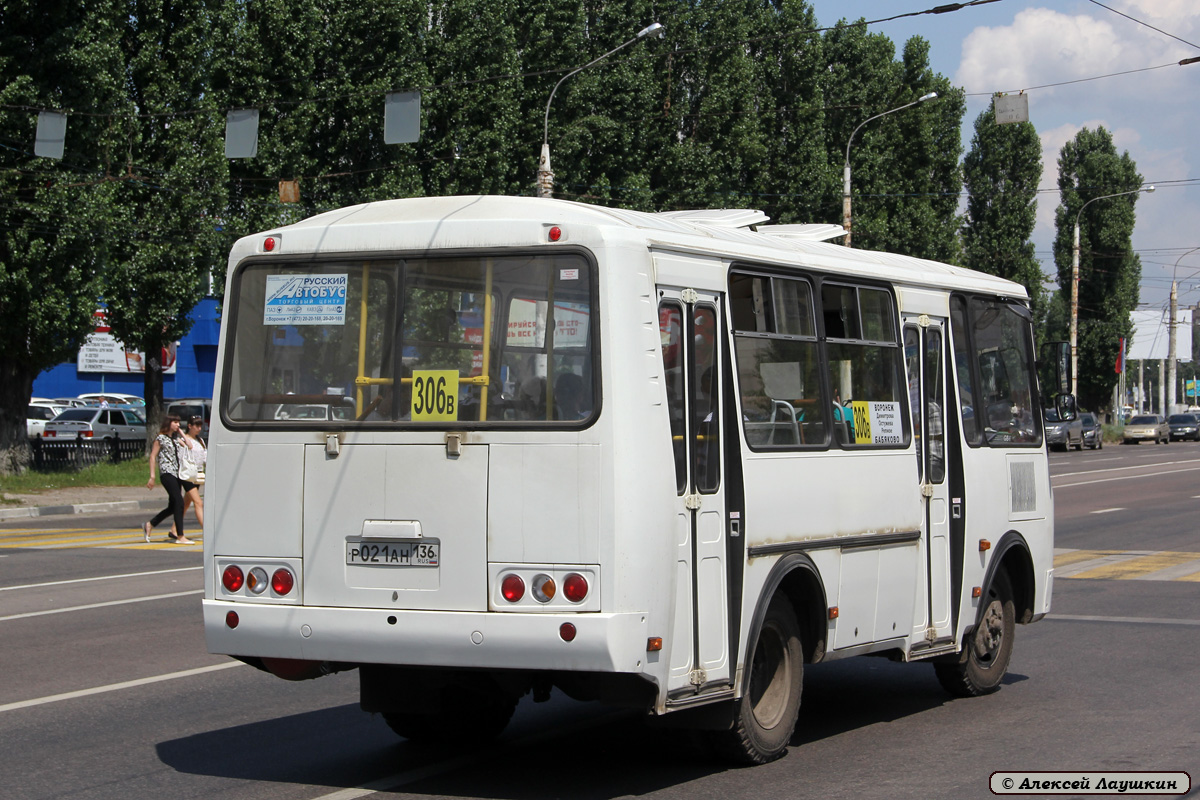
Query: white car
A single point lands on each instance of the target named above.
(307, 411)
(113, 398)
(38, 414)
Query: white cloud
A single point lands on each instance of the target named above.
(1043, 46)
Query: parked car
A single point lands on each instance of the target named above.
(1063, 434)
(189, 407)
(69, 402)
(93, 422)
(1184, 426)
(1146, 427)
(306, 411)
(38, 414)
(113, 398)
(1093, 432)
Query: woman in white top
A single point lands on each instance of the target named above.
(194, 457)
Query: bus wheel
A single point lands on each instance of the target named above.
(988, 649)
(465, 718)
(765, 715)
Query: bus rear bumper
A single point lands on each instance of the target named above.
(495, 640)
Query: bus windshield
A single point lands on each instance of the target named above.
(460, 341)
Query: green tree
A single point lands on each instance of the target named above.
(905, 173)
(1001, 172)
(55, 220)
(1109, 270)
(174, 192)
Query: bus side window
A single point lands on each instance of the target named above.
(670, 330)
(777, 361)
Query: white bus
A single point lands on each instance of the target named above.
(658, 460)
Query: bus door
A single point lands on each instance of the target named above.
(924, 337)
(690, 325)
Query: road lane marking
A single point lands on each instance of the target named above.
(1131, 466)
(1134, 620)
(100, 578)
(29, 614)
(1058, 486)
(1138, 566)
(114, 687)
(1105, 510)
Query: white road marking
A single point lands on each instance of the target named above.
(99, 578)
(100, 605)
(1135, 620)
(114, 687)
(1105, 510)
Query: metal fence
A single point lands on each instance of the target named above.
(80, 453)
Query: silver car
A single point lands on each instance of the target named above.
(1146, 427)
(93, 422)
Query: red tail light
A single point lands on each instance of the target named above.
(567, 632)
(231, 619)
(282, 581)
(512, 588)
(232, 578)
(575, 587)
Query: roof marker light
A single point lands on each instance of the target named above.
(555, 233)
(269, 243)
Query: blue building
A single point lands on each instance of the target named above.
(195, 366)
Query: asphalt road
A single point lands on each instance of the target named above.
(107, 691)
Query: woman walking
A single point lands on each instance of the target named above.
(165, 454)
(191, 475)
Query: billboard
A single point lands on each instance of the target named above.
(102, 352)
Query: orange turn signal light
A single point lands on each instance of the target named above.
(654, 644)
(833, 612)
(977, 591)
(984, 545)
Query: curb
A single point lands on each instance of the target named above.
(79, 508)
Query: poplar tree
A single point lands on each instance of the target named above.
(173, 191)
(1001, 172)
(905, 173)
(57, 215)
(1109, 271)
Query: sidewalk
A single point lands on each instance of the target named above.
(85, 500)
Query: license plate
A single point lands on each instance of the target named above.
(415, 553)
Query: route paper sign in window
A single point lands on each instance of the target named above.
(306, 300)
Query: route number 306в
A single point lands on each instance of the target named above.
(435, 394)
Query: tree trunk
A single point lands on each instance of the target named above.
(152, 388)
(16, 387)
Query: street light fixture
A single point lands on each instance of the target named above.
(1171, 340)
(545, 178)
(1075, 284)
(846, 167)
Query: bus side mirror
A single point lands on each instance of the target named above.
(1064, 404)
(1059, 357)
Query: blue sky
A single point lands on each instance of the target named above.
(1014, 45)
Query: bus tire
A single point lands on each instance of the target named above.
(988, 649)
(765, 715)
(465, 718)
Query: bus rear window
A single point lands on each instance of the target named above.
(444, 341)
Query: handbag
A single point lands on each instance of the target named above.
(188, 471)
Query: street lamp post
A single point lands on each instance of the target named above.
(1171, 340)
(846, 167)
(545, 177)
(1075, 284)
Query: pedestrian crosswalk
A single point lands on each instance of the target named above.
(1127, 565)
(68, 538)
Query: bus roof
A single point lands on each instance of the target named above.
(428, 223)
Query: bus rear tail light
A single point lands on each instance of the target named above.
(567, 632)
(544, 588)
(232, 578)
(575, 588)
(282, 581)
(512, 588)
(256, 580)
